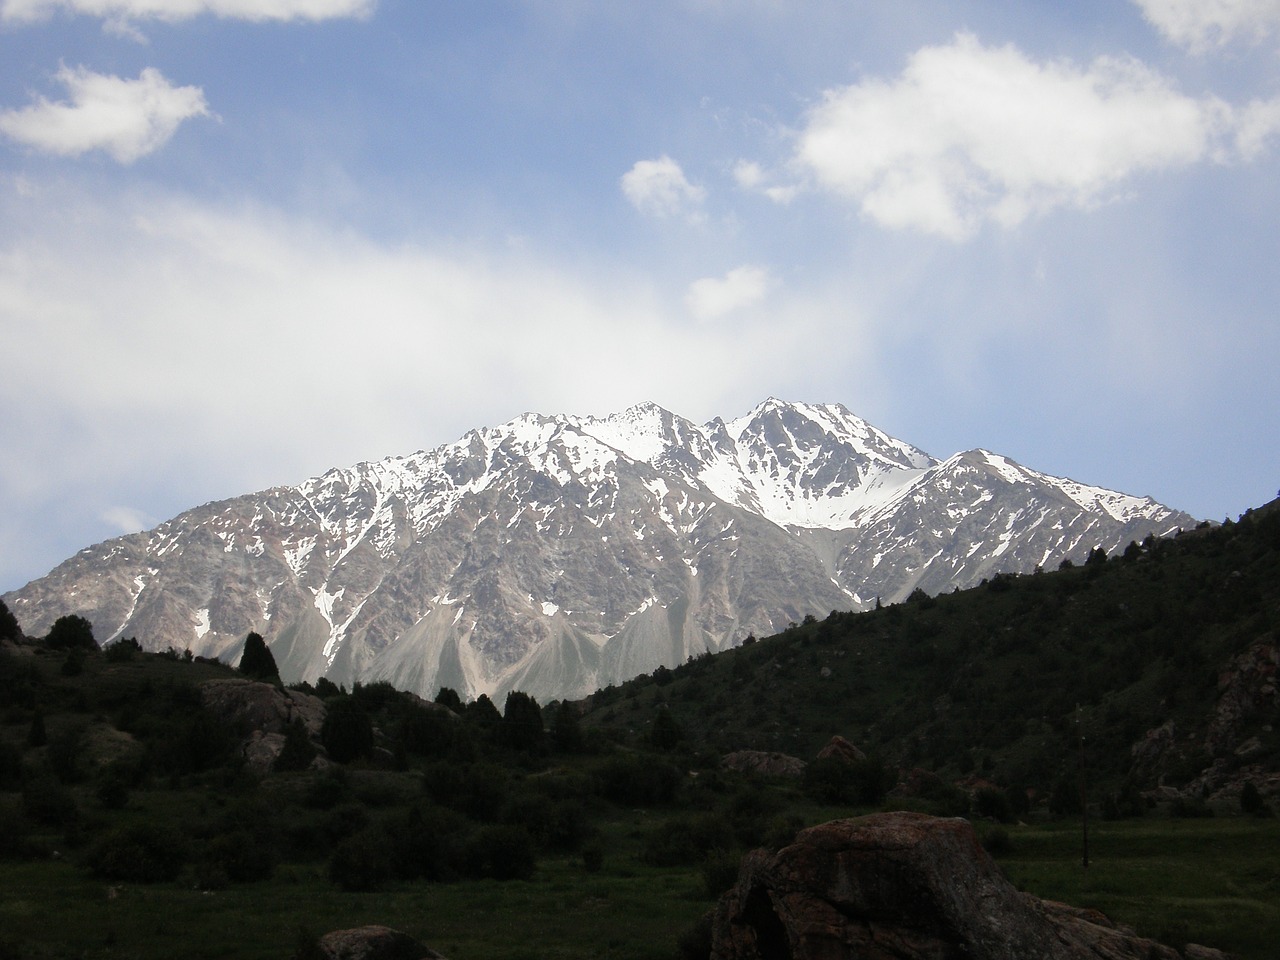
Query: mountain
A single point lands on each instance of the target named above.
(558, 554)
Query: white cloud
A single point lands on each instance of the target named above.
(712, 297)
(659, 188)
(969, 134)
(749, 175)
(1202, 25)
(116, 11)
(126, 118)
(172, 339)
(128, 519)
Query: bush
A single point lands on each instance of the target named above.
(694, 943)
(593, 855)
(240, 857)
(139, 853)
(992, 804)
(1190, 808)
(1251, 801)
(9, 629)
(123, 650)
(16, 841)
(70, 633)
(364, 861)
(502, 852)
(643, 781)
(10, 766)
(686, 840)
(347, 733)
(46, 801)
(719, 873)
(832, 780)
(998, 843)
(479, 790)
(298, 750)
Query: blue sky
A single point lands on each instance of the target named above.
(243, 241)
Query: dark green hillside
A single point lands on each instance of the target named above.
(1002, 680)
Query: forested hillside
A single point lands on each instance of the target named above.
(1173, 637)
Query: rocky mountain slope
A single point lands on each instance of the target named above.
(557, 554)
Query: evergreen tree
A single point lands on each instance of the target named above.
(70, 633)
(448, 697)
(566, 731)
(665, 733)
(256, 660)
(521, 722)
(298, 751)
(9, 629)
(347, 733)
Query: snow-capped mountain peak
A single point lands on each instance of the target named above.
(554, 554)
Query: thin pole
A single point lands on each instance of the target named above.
(1084, 796)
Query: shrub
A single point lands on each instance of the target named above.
(347, 733)
(71, 632)
(665, 734)
(502, 852)
(1189, 808)
(364, 861)
(240, 856)
(686, 840)
(10, 766)
(458, 787)
(123, 650)
(593, 855)
(998, 843)
(832, 780)
(138, 853)
(9, 629)
(16, 841)
(643, 781)
(427, 733)
(298, 750)
(719, 873)
(694, 942)
(46, 801)
(992, 804)
(1251, 801)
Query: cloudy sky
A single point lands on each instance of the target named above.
(243, 241)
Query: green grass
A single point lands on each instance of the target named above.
(53, 910)
(1214, 882)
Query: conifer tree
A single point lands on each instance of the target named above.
(257, 661)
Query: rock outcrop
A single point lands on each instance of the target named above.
(763, 763)
(900, 886)
(373, 943)
(841, 749)
(261, 713)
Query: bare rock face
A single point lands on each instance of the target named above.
(261, 713)
(262, 706)
(763, 763)
(373, 943)
(902, 886)
(841, 749)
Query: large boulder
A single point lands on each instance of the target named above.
(373, 943)
(262, 714)
(900, 886)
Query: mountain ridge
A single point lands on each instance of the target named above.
(560, 553)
